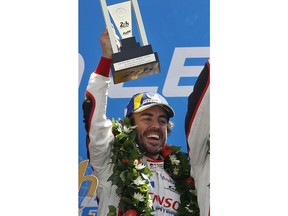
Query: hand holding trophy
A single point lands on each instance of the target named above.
(132, 61)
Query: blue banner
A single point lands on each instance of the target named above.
(179, 31)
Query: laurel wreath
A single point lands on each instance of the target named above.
(132, 177)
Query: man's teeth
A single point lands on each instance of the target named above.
(154, 136)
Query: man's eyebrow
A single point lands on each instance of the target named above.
(150, 114)
(146, 114)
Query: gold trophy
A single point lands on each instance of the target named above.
(132, 61)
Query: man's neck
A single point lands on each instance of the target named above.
(154, 157)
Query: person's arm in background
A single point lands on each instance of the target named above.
(197, 128)
(197, 122)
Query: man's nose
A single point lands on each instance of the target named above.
(155, 123)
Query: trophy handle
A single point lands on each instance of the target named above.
(109, 25)
(140, 25)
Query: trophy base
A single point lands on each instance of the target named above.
(133, 61)
(136, 72)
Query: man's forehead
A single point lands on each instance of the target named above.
(154, 110)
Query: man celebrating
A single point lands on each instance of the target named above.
(154, 191)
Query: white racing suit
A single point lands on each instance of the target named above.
(99, 143)
(197, 127)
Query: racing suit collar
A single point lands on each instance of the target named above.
(153, 164)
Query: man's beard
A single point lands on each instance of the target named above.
(148, 151)
(144, 148)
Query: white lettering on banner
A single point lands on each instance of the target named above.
(175, 72)
(81, 66)
(178, 70)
